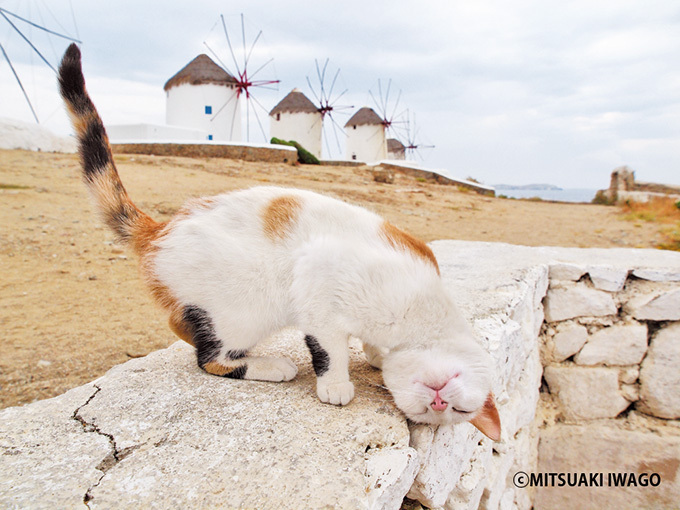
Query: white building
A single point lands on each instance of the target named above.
(203, 96)
(366, 136)
(395, 149)
(297, 118)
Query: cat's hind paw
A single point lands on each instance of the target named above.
(339, 394)
(271, 369)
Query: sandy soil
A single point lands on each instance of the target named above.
(71, 303)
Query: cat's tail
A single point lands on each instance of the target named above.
(98, 169)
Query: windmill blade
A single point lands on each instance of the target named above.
(21, 86)
(309, 83)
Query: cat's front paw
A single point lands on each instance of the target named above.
(338, 394)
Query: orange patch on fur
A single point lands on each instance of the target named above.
(400, 239)
(279, 216)
(216, 368)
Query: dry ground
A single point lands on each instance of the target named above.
(71, 304)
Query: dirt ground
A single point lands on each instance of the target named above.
(71, 303)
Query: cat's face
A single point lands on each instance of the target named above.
(443, 385)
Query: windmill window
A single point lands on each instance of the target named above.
(210, 137)
(278, 116)
(208, 110)
(354, 127)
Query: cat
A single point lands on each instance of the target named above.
(235, 268)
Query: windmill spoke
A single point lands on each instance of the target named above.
(262, 67)
(252, 47)
(222, 107)
(243, 36)
(5, 11)
(233, 120)
(2, 13)
(264, 136)
(231, 50)
(217, 58)
(309, 83)
(330, 92)
(21, 86)
(318, 73)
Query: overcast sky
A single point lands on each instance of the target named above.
(508, 92)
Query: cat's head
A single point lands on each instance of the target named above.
(441, 385)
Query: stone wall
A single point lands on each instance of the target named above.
(159, 432)
(245, 152)
(611, 350)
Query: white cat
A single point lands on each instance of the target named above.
(235, 268)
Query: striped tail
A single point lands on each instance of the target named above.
(99, 171)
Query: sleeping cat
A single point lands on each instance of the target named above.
(235, 268)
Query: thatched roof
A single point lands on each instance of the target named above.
(365, 116)
(200, 71)
(394, 145)
(295, 102)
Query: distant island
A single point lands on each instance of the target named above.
(528, 187)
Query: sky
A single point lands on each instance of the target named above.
(518, 92)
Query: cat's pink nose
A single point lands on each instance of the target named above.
(438, 404)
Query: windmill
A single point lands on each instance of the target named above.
(324, 91)
(20, 26)
(413, 145)
(388, 107)
(243, 54)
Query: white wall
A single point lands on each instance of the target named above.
(366, 143)
(304, 128)
(185, 107)
(146, 132)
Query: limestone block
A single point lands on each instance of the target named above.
(445, 454)
(657, 275)
(567, 272)
(608, 278)
(390, 473)
(660, 374)
(657, 306)
(568, 340)
(586, 392)
(34, 471)
(578, 301)
(621, 344)
(604, 448)
(469, 489)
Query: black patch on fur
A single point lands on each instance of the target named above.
(72, 82)
(236, 354)
(94, 149)
(202, 334)
(238, 373)
(320, 358)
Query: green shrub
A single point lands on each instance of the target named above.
(304, 156)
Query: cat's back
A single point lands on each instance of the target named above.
(268, 215)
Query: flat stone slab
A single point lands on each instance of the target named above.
(157, 432)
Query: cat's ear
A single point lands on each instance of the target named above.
(488, 421)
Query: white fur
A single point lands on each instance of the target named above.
(332, 276)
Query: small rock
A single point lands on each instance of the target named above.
(43, 363)
(657, 306)
(577, 301)
(568, 341)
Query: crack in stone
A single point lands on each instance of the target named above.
(112, 458)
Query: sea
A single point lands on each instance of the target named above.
(578, 195)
